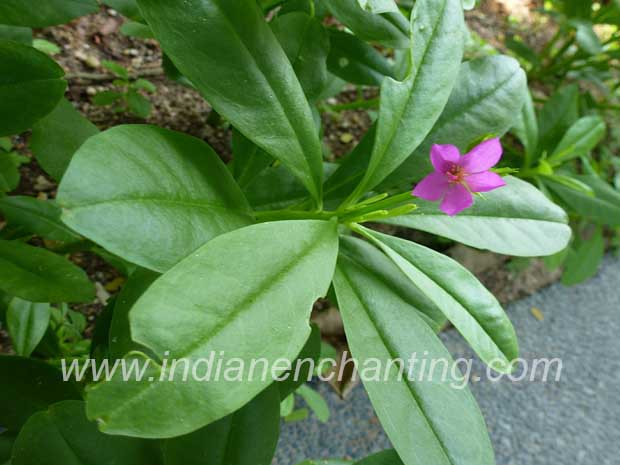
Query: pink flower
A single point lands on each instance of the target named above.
(456, 177)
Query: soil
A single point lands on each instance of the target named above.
(87, 42)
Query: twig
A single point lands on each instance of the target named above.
(92, 77)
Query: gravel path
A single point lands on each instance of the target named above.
(575, 421)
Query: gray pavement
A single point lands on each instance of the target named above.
(575, 421)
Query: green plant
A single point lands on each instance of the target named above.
(127, 96)
(230, 259)
(558, 158)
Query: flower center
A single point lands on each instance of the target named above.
(456, 174)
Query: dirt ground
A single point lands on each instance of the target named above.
(88, 41)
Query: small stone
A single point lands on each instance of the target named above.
(131, 52)
(90, 90)
(346, 138)
(42, 184)
(92, 62)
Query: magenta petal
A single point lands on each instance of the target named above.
(432, 187)
(484, 182)
(457, 199)
(482, 157)
(444, 156)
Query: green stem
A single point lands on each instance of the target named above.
(280, 215)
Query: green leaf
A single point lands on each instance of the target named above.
(9, 173)
(586, 37)
(40, 217)
(467, 304)
(316, 403)
(27, 323)
(515, 220)
(557, 115)
(355, 61)
(120, 341)
(409, 109)
(16, 34)
(62, 435)
(429, 418)
(6, 447)
(128, 8)
(485, 100)
(306, 45)
(39, 275)
(580, 139)
(526, 128)
(145, 85)
(58, 136)
(116, 69)
(244, 74)
(386, 457)
(34, 386)
(31, 85)
(46, 46)
(247, 437)
(389, 29)
(138, 104)
(107, 97)
(44, 13)
(571, 183)
(248, 159)
(100, 343)
(136, 29)
(379, 6)
(376, 263)
(584, 260)
(287, 405)
(255, 284)
(311, 351)
(150, 195)
(603, 209)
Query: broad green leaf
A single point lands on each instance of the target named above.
(469, 4)
(310, 352)
(248, 159)
(355, 61)
(128, 8)
(31, 85)
(376, 263)
(467, 304)
(245, 75)
(485, 100)
(247, 437)
(316, 403)
(409, 109)
(44, 13)
(120, 341)
(430, 418)
(586, 37)
(34, 386)
(386, 457)
(584, 260)
(6, 447)
(100, 342)
(379, 6)
(487, 96)
(306, 44)
(579, 140)
(255, 285)
(514, 220)
(16, 34)
(63, 436)
(389, 29)
(27, 323)
(136, 29)
(557, 115)
(526, 128)
(38, 275)
(276, 188)
(58, 136)
(150, 195)
(9, 173)
(602, 209)
(41, 217)
(138, 104)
